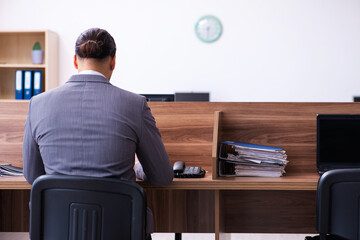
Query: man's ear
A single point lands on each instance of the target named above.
(76, 65)
(113, 63)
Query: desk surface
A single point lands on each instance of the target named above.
(14, 235)
(290, 181)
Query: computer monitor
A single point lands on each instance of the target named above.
(338, 140)
(159, 97)
(191, 97)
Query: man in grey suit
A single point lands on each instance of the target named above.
(89, 127)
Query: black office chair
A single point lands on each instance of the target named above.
(84, 208)
(338, 204)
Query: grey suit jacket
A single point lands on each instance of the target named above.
(89, 127)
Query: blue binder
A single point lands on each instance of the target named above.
(28, 84)
(19, 85)
(37, 82)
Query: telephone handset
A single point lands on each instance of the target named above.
(182, 171)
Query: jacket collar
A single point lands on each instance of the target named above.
(88, 78)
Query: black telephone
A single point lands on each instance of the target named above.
(182, 171)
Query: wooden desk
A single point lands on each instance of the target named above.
(288, 182)
(200, 205)
(191, 132)
(208, 205)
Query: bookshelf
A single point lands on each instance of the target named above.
(15, 54)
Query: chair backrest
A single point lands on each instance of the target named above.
(84, 208)
(338, 204)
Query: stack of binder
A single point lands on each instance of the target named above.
(27, 83)
(251, 160)
(9, 170)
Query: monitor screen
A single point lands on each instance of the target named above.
(338, 138)
(356, 99)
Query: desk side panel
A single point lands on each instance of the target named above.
(268, 211)
(187, 131)
(291, 126)
(14, 210)
(12, 120)
(187, 128)
(182, 210)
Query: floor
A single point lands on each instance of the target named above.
(238, 236)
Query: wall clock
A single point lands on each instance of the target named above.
(208, 28)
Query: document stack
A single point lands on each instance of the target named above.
(250, 160)
(9, 170)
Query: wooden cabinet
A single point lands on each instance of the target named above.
(15, 54)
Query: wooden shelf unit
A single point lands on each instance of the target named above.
(15, 54)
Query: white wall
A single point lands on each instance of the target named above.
(270, 50)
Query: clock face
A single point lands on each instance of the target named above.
(208, 29)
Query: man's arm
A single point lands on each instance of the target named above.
(32, 161)
(152, 154)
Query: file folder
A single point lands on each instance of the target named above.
(19, 85)
(37, 82)
(27, 84)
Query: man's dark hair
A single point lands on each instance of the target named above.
(95, 43)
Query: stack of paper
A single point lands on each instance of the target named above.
(9, 170)
(244, 159)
